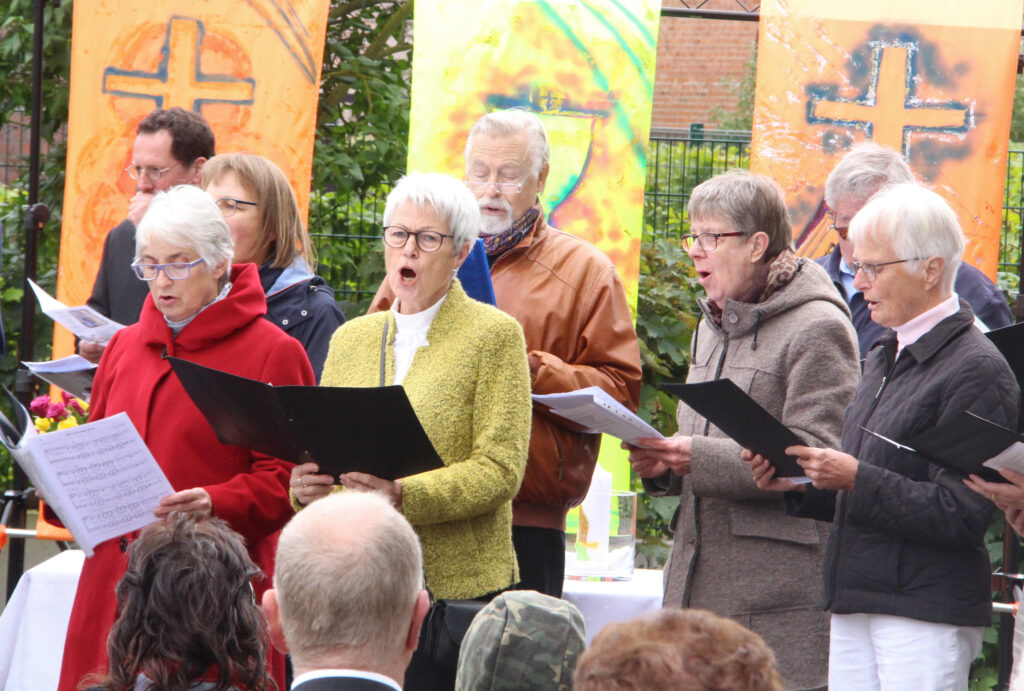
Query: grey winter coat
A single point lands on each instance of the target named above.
(736, 552)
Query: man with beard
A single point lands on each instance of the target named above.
(579, 331)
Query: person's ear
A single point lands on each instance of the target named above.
(273, 614)
(758, 246)
(419, 613)
(463, 253)
(933, 267)
(219, 270)
(197, 170)
(542, 177)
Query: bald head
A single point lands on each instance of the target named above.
(348, 574)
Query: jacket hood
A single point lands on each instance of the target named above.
(810, 283)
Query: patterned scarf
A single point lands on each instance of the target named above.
(780, 272)
(499, 242)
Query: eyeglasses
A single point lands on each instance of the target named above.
(707, 241)
(426, 240)
(152, 174)
(871, 269)
(228, 205)
(503, 187)
(841, 231)
(176, 272)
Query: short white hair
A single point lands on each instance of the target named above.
(450, 199)
(349, 570)
(863, 171)
(511, 123)
(916, 222)
(186, 217)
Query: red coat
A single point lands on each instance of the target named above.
(248, 490)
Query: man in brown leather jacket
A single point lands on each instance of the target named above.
(579, 331)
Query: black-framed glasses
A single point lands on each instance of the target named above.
(426, 240)
(229, 205)
(176, 271)
(707, 241)
(870, 269)
(152, 174)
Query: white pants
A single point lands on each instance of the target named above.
(879, 652)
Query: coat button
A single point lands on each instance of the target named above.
(284, 322)
(733, 318)
(304, 313)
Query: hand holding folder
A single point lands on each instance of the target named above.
(369, 430)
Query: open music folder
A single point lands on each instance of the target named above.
(744, 421)
(367, 429)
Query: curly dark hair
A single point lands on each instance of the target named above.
(186, 611)
(191, 136)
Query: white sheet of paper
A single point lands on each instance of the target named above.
(71, 363)
(83, 321)
(593, 408)
(105, 476)
(1012, 458)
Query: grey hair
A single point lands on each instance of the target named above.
(187, 217)
(916, 222)
(747, 202)
(865, 169)
(511, 123)
(450, 199)
(348, 573)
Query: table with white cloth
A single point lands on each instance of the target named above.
(603, 602)
(35, 621)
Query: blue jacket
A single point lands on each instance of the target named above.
(986, 301)
(305, 310)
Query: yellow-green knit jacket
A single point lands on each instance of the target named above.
(470, 388)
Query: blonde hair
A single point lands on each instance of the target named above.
(281, 235)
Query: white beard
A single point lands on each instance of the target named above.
(491, 225)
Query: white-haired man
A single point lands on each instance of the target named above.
(568, 298)
(862, 172)
(348, 598)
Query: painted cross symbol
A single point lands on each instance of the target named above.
(890, 111)
(178, 80)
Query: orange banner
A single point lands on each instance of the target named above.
(932, 80)
(251, 68)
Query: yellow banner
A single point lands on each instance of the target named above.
(933, 80)
(251, 68)
(586, 68)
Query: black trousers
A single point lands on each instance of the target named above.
(541, 555)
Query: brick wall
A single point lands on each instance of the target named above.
(697, 59)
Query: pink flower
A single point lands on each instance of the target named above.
(57, 410)
(39, 406)
(66, 397)
(75, 405)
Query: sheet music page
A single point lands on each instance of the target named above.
(83, 321)
(1012, 458)
(106, 478)
(593, 408)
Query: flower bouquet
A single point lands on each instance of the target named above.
(49, 414)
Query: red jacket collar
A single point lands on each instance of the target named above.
(243, 304)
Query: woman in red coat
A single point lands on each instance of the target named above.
(204, 310)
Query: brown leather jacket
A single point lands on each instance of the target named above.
(571, 304)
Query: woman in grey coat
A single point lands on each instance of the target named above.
(775, 325)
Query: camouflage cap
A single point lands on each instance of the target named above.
(522, 640)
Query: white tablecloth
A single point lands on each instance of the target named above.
(604, 602)
(34, 622)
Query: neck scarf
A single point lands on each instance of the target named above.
(499, 242)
